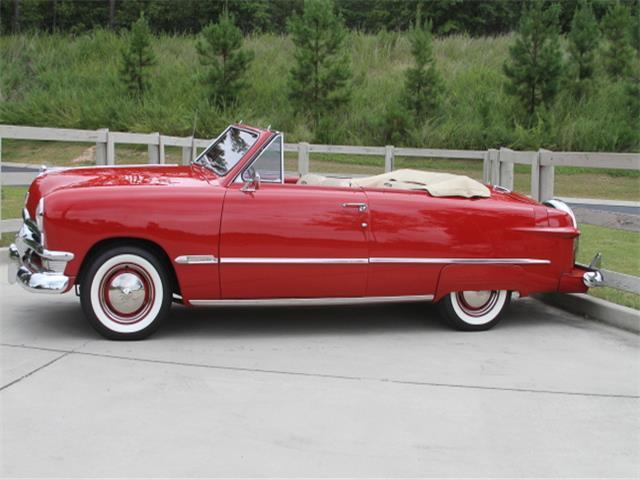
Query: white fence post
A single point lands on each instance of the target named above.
(389, 158)
(486, 168)
(161, 152)
(154, 150)
(303, 158)
(494, 170)
(111, 150)
(187, 153)
(547, 176)
(506, 168)
(101, 148)
(535, 176)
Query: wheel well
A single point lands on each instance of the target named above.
(148, 245)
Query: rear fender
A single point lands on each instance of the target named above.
(523, 279)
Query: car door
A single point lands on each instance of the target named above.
(414, 236)
(293, 241)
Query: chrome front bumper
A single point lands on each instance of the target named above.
(32, 266)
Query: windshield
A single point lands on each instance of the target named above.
(227, 151)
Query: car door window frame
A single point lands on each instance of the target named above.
(239, 178)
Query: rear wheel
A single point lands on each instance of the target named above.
(472, 310)
(125, 293)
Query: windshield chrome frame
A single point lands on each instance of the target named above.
(198, 161)
(277, 135)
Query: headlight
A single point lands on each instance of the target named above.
(40, 218)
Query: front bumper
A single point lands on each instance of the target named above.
(35, 268)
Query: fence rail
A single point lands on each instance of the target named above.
(498, 164)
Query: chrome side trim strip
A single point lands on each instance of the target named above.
(200, 259)
(466, 261)
(287, 302)
(294, 260)
(196, 259)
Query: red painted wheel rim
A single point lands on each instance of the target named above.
(475, 309)
(127, 293)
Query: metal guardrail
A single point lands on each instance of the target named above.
(498, 164)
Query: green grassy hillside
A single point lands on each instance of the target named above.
(73, 82)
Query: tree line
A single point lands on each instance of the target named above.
(320, 79)
(477, 17)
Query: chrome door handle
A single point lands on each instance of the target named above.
(362, 207)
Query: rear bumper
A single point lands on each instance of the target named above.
(36, 269)
(580, 279)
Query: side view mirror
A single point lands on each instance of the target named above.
(252, 183)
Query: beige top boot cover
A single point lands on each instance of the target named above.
(437, 184)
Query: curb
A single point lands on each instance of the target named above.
(596, 309)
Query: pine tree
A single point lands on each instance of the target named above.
(619, 53)
(423, 86)
(319, 82)
(583, 43)
(137, 58)
(535, 62)
(220, 50)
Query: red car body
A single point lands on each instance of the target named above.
(220, 240)
(408, 242)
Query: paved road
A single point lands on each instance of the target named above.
(15, 169)
(339, 391)
(629, 210)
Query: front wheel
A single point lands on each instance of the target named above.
(125, 293)
(474, 310)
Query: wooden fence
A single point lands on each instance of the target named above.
(498, 164)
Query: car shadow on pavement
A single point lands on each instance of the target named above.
(289, 321)
(67, 320)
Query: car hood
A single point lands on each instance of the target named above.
(133, 176)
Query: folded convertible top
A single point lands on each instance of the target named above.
(437, 184)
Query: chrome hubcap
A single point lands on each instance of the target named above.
(477, 303)
(476, 299)
(126, 293)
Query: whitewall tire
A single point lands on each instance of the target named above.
(125, 293)
(474, 310)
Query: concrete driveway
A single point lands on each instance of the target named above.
(335, 392)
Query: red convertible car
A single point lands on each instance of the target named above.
(233, 229)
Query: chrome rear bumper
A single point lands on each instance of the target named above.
(32, 266)
(594, 277)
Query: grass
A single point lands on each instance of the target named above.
(75, 154)
(7, 239)
(12, 201)
(620, 250)
(72, 81)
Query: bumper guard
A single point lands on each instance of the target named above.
(593, 277)
(32, 266)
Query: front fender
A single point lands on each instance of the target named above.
(181, 221)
